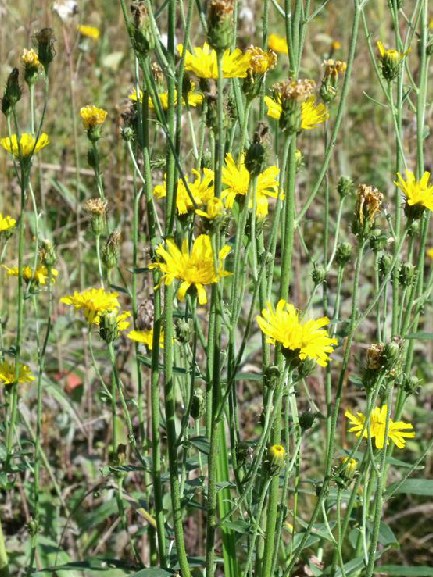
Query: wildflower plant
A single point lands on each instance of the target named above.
(252, 343)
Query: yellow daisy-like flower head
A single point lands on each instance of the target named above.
(214, 209)
(7, 374)
(146, 338)
(201, 191)
(398, 432)
(276, 458)
(305, 339)
(30, 58)
(203, 62)
(390, 61)
(26, 146)
(193, 268)
(418, 193)
(349, 467)
(92, 116)
(40, 276)
(278, 44)
(88, 31)
(93, 302)
(312, 115)
(194, 98)
(236, 178)
(430, 253)
(7, 224)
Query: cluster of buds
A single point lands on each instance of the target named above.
(390, 61)
(143, 40)
(93, 118)
(276, 459)
(369, 201)
(44, 40)
(47, 254)
(31, 66)
(329, 87)
(12, 93)
(292, 94)
(97, 209)
(261, 61)
(110, 251)
(220, 24)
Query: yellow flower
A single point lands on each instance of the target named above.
(40, 275)
(237, 180)
(204, 62)
(89, 31)
(308, 339)
(392, 55)
(417, 192)
(312, 114)
(195, 268)
(277, 452)
(7, 374)
(26, 146)
(349, 467)
(30, 58)
(214, 209)
(260, 60)
(93, 302)
(202, 190)
(336, 45)
(92, 116)
(430, 253)
(194, 98)
(146, 337)
(6, 223)
(397, 432)
(278, 44)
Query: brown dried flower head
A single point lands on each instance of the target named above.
(374, 356)
(368, 203)
(294, 90)
(221, 8)
(157, 73)
(145, 315)
(95, 206)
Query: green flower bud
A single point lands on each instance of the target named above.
(385, 264)
(45, 44)
(244, 453)
(108, 327)
(345, 186)
(412, 385)
(391, 354)
(377, 240)
(197, 404)
(12, 93)
(319, 274)
(255, 157)
(184, 331)
(406, 274)
(272, 374)
(306, 420)
(349, 468)
(97, 209)
(344, 253)
(110, 250)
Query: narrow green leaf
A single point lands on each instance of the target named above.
(413, 487)
(397, 571)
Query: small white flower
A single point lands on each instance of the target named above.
(65, 8)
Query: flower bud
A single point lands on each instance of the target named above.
(45, 43)
(412, 385)
(391, 353)
(31, 66)
(244, 453)
(345, 186)
(306, 420)
(385, 264)
(344, 253)
(349, 468)
(414, 228)
(220, 24)
(184, 330)
(276, 459)
(143, 40)
(110, 251)
(255, 157)
(272, 374)
(319, 274)
(390, 61)
(12, 93)
(377, 240)
(329, 87)
(197, 403)
(47, 254)
(108, 326)
(306, 367)
(406, 274)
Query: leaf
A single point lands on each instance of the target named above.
(200, 443)
(386, 536)
(413, 487)
(153, 572)
(239, 526)
(118, 288)
(405, 571)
